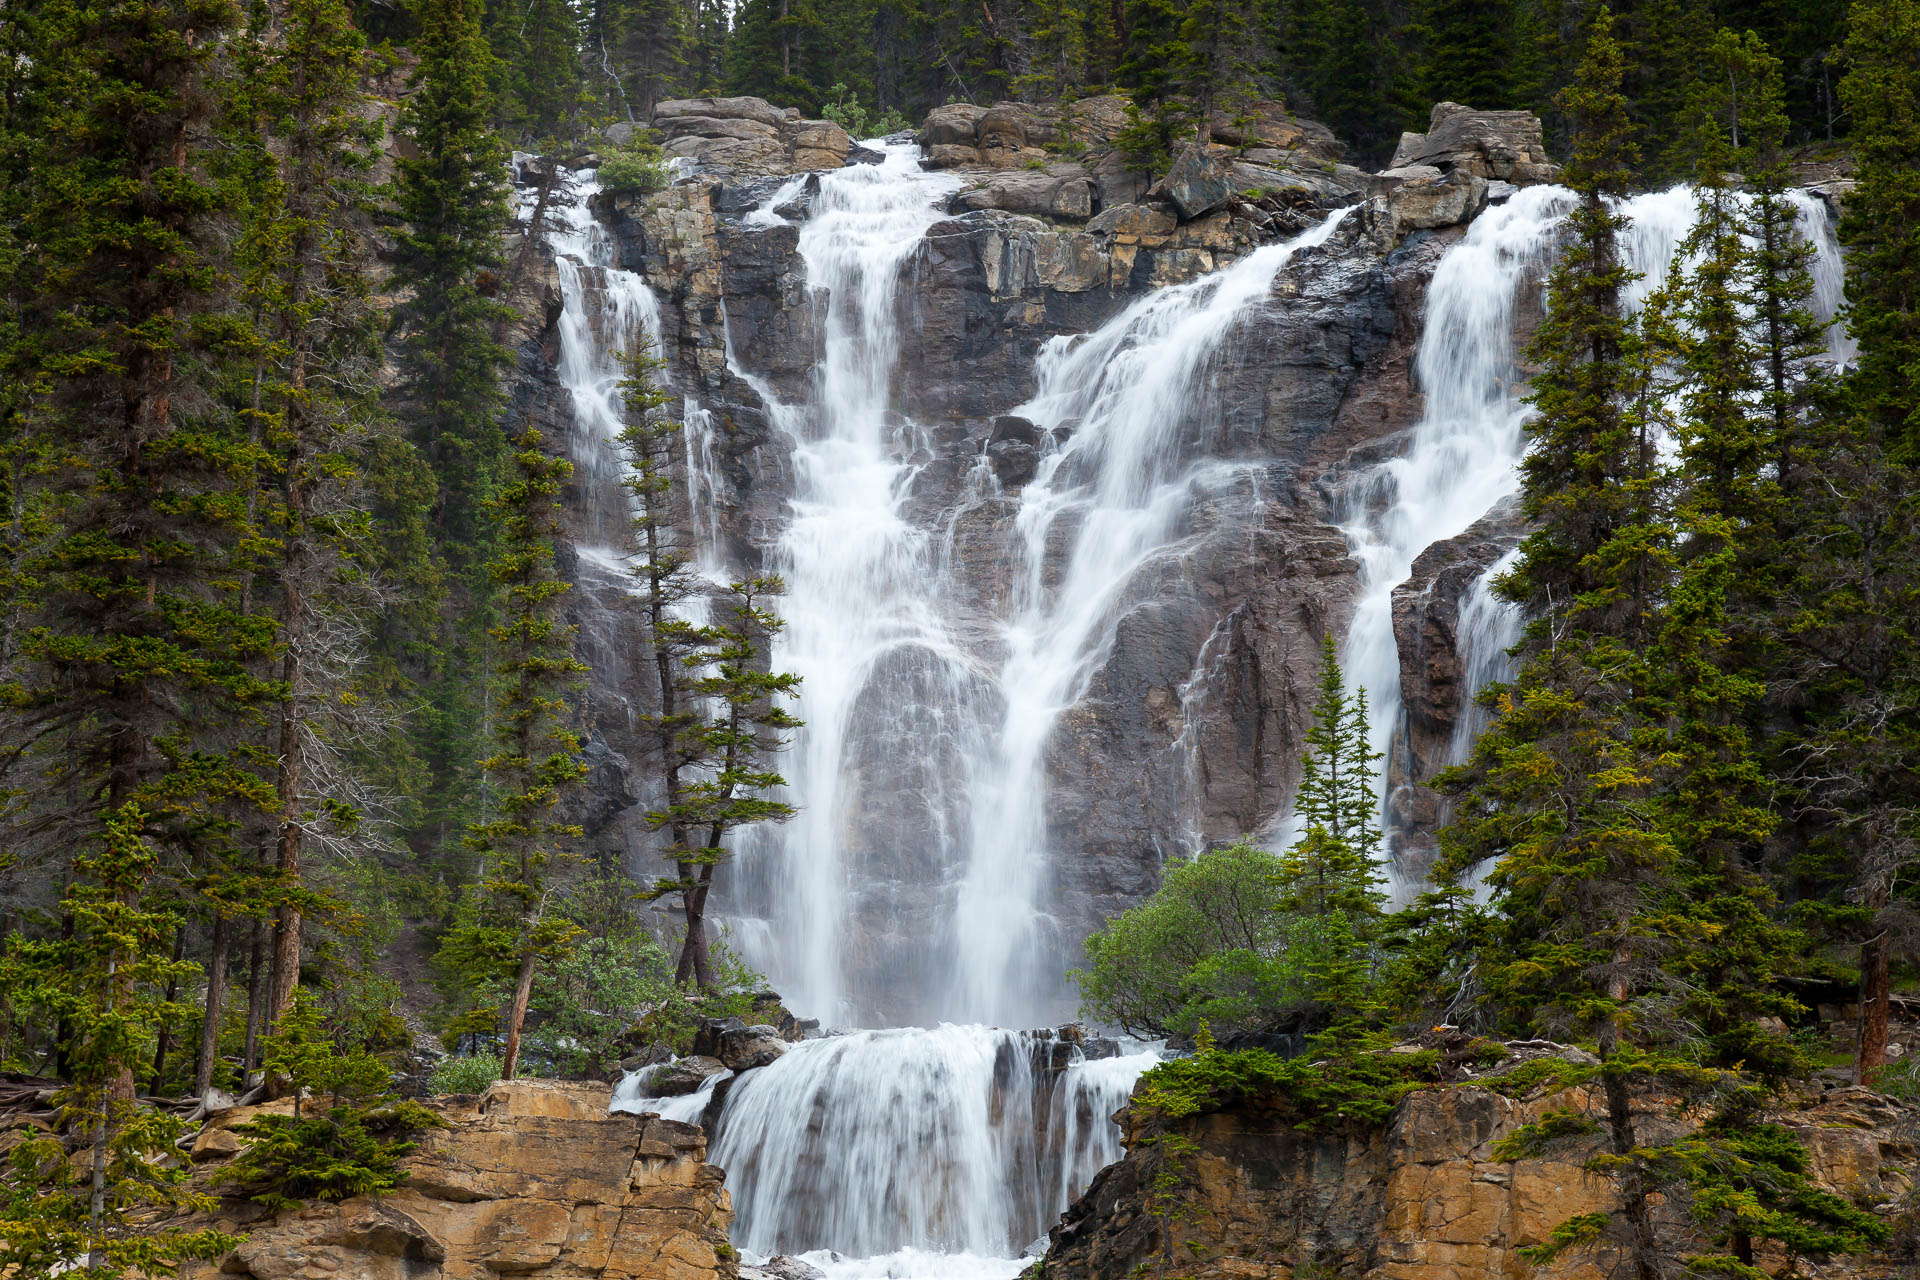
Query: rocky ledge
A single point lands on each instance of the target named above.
(1421, 1198)
(534, 1178)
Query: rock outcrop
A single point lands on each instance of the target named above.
(534, 1179)
(1420, 1198)
(747, 137)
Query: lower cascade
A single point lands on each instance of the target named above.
(943, 1151)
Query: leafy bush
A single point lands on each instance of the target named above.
(844, 108)
(474, 1074)
(1215, 944)
(637, 169)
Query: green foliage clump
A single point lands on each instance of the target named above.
(1245, 940)
(469, 1073)
(1351, 1087)
(636, 169)
(349, 1145)
(845, 109)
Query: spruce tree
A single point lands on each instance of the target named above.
(527, 847)
(1561, 789)
(1880, 90)
(1333, 867)
(451, 196)
(719, 716)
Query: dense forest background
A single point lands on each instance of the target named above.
(290, 700)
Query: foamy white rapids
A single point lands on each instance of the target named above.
(943, 1143)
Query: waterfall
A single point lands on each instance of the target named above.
(605, 312)
(1142, 414)
(965, 1142)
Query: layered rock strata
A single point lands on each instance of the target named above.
(1420, 1198)
(535, 1178)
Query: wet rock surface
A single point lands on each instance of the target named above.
(1189, 729)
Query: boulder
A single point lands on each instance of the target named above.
(1507, 145)
(1270, 124)
(1421, 197)
(755, 109)
(783, 1267)
(1197, 183)
(951, 125)
(682, 1076)
(818, 144)
(215, 1144)
(744, 1048)
(1014, 462)
(620, 133)
(1133, 223)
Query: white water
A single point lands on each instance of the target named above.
(943, 1149)
(606, 312)
(918, 1153)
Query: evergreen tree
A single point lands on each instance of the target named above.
(525, 849)
(307, 394)
(451, 195)
(1333, 867)
(1880, 90)
(719, 715)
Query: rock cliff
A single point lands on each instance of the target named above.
(1420, 1198)
(1189, 731)
(535, 1178)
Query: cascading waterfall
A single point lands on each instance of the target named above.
(1136, 398)
(605, 312)
(946, 1151)
(857, 610)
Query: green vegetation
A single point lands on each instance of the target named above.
(636, 169)
(327, 1150)
(1243, 940)
(475, 1073)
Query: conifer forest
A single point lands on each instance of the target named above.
(884, 581)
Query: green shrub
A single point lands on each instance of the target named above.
(474, 1074)
(352, 1147)
(1355, 1087)
(844, 108)
(637, 169)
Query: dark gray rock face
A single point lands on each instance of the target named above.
(1189, 731)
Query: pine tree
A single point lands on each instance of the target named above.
(1883, 277)
(1561, 788)
(1334, 866)
(719, 714)
(307, 395)
(451, 195)
(526, 849)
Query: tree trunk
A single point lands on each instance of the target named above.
(256, 964)
(517, 1015)
(164, 1041)
(1871, 1050)
(216, 998)
(292, 775)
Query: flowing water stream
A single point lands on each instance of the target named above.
(946, 1150)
